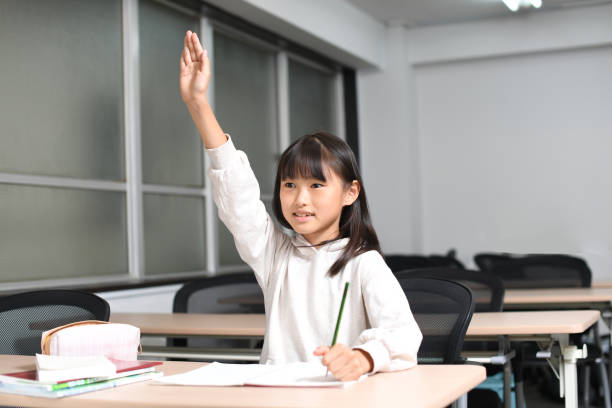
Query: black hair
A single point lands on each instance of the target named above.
(309, 157)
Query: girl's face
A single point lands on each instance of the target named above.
(313, 207)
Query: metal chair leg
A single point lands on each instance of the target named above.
(586, 393)
(604, 382)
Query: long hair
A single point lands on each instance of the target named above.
(309, 157)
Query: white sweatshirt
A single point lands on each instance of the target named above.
(301, 299)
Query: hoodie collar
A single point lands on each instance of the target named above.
(306, 249)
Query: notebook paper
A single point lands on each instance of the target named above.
(283, 375)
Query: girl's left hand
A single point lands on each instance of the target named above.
(345, 364)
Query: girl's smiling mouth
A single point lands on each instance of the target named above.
(303, 216)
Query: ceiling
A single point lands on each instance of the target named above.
(413, 13)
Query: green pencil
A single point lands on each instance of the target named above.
(339, 318)
(340, 313)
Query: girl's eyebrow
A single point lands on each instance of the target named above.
(304, 178)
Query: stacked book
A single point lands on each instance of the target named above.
(57, 376)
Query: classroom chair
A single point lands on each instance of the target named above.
(485, 261)
(536, 270)
(399, 262)
(488, 293)
(487, 290)
(449, 259)
(24, 316)
(443, 310)
(228, 293)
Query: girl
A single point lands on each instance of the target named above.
(319, 195)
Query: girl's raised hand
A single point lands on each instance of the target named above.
(345, 364)
(195, 70)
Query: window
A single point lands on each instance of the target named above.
(312, 104)
(62, 190)
(102, 172)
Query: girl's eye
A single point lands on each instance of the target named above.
(317, 185)
(289, 185)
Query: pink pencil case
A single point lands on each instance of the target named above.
(92, 338)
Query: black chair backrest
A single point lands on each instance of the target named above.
(214, 295)
(543, 271)
(403, 262)
(488, 260)
(400, 262)
(487, 290)
(219, 294)
(446, 261)
(443, 310)
(24, 316)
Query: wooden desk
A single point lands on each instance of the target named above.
(193, 324)
(599, 294)
(518, 324)
(596, 297)
(428, 386)
(542, 326)
(254, 325)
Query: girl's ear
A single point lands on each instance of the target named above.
(351, 193)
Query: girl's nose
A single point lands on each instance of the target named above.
(302, 196)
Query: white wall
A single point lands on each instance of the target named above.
(389, 150)
(515, 135)
(156, 299)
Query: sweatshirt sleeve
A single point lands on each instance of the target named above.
(237, 196)
(394, 337)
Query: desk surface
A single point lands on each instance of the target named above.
(195, 324)
(508, 323)
(558, 295)
(599, 292)
(536, 322)
(425, 386)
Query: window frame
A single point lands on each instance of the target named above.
(211, 19)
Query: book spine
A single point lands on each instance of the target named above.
(107, 384)
(85, 381)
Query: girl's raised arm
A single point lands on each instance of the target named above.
(194, 79)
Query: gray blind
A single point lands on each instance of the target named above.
(61, 82)
(171, 148)
(311, 100)
(174, 234)
(61, 233)
(245, 104)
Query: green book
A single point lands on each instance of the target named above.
(27, 383)
(47, 391)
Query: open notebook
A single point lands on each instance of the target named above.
(283, 375)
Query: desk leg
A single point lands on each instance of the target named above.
(461, 402)
(504, 347)
(607, 317)
(567, 370)
(517, 369)
(570, 378)
(507, 386)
